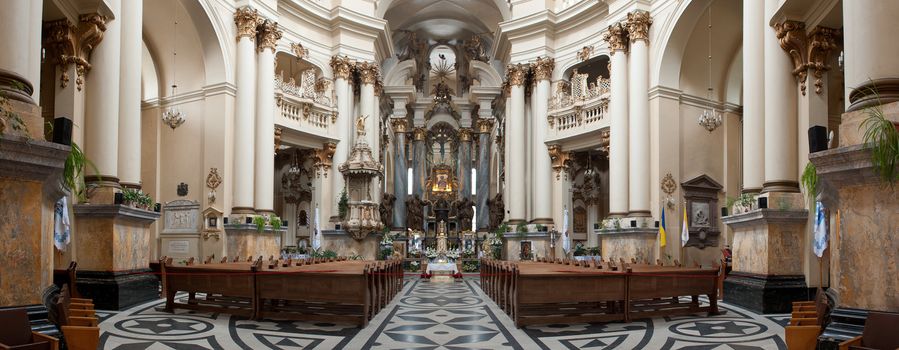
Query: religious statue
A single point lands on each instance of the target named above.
(414, 218)
(497, 211)
(360, 125)
(441, 238)
(386, 209)
(464, 210)
(474, 49)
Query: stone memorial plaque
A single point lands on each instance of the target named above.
(181, 247)
(181, 217)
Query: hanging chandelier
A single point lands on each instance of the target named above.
(710, 119)
(172, 115)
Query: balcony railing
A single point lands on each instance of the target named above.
(584, 110)
(304, 109)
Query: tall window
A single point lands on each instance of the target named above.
(409, 181)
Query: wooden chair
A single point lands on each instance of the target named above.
(802, 334)
(81, 333)
(879, 333)
(16, 333)
(76, 307)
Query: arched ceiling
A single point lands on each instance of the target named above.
(443, 20)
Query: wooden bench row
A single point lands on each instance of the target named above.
(544, 292)
(340, 290)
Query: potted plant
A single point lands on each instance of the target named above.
(809, 181)
(343, 205)
(259, 221)
(275, 222)
(882, 138)
(521, 231)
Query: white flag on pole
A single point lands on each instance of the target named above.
(566, 238)
(820, 230)
(317, 235)
(61, 233)
(685, 230)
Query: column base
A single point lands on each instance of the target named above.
(243, 240)
(542, 221)
(786, 186)
(766, 294)
(118, 290)
(845, 324)
(516, 222)
(639, 213)
(874, 92)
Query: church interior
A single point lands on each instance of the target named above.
(449, 174)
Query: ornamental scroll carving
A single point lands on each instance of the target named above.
(561, 161)
(543, 68)
(368, 72)
(638, 23)
(517, 74)
(213, 181)
(616, 38)
(299, 51)
(321, 159)
(807, 51)
(342, 67)
(585, 53)
(67, 45)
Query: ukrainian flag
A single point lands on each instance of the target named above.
(662, 229)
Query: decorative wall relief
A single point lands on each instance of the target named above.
(212, 225)
(668, 186)
(701, 196)
(180, 217)
(213, 181)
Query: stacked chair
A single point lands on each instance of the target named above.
(78, 321)
(806, 322)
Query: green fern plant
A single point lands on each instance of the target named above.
(276, 222)
(882, 138)
(343, 205)
(809, 181)
(73, 172)
(259, 221)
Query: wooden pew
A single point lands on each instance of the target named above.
(228, 287)
(654, 290)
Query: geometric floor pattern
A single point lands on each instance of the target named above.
(436, 315)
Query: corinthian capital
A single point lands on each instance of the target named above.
(616, 37)
(485, 126)
(247, 20)
(822, 41)
(267, 36)
(543, 68)
(638, 23)
(67, 44)
(321, 158)
(517, 73)
(561, 160)
(341, 66)
(368, 72)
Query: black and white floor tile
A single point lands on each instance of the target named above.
(435, 315)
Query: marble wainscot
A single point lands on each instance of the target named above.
(245, 240)
(112, 247)
(343, 244)
(539, 241)
(29, 189)
(180, 236)
(864, 248)
(767, 273)
(630, 242)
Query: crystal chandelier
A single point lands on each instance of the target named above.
(710, 119)
(172, 115)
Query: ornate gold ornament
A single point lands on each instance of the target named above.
(267, 36)
(465, 134)
(668, 184)
(246, 20)
(616, 37)
(342, 67)
(419, 134)
(485, 126)
(585, 53)
(561, 161)
(605, 140)
(213, 181)
(543, 68)
(298, 50)
(517, 73)
(68, 44)
(399, 124)
(321, 159)
(638, 23)
(807, 51)
(278, 132)
(368, 72)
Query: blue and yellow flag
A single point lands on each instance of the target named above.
(662, 229)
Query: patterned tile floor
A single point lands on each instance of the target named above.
(436, 315)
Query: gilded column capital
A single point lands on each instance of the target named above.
(638, 23)
(68, 44)
(419, 134)
(792, 38)
(246, 20)
(561, 160)
(543, 68)
(616, 38)
(399, 125)
(517, 73)
(267, 36)
(368, 72)
(822, 40)
(485, 126)
(322, 158)
(465, 134)
(278, 132)
(342, 67)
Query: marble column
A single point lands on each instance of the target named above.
(754, 28)
(485, 129)
(465, 161)
(561, 199)
(869, 50)
(400, 176)
(130, 94)
(101, 129)
(342, 69)
(419, 157)
(515, 131)
(543, 210)
(20, 30)
(618, 108)
(780, 114)
(267, 37)
(244, 160)
(368, 77)
(638, 23)
(323, 158)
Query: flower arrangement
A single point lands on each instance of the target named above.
(431, 253)
(414, 252)
(468, 253)
(413, 266)
(470, 266)
(494, 240)
(452, 254)
(387, 241)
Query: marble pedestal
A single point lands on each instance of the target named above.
(540, 245)
(767, 271)
(639, 242)
(112, 248)
(243, 240)
(29, 189)
(343, 244)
